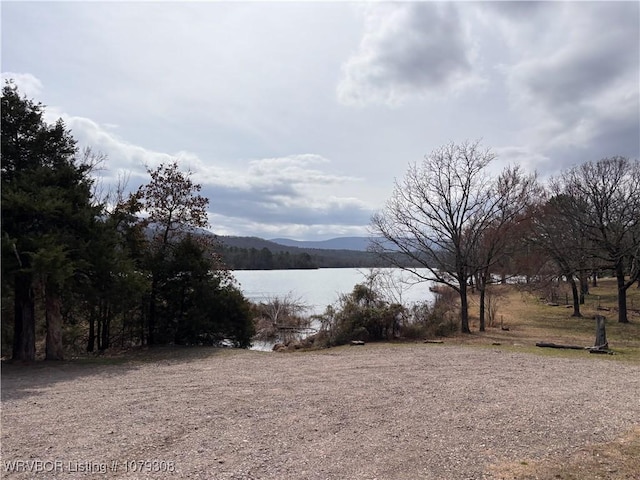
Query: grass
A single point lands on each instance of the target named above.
(530, 319)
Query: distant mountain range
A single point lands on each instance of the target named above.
(254, 253)
(360, 244)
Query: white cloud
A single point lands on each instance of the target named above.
(409, 50)
(528, 160)
(292, 194)
(27, 83)
(238, 92)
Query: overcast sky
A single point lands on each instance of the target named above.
(297, 117)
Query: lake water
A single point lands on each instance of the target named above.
(322, 287)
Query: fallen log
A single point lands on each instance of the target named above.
(433, 341)
(556, 345)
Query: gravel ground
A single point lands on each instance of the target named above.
(373, 412)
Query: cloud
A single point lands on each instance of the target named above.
(28, 84)
(408, 50)
(579, 82)
(289, 192)
(522, 156)
(279, 195)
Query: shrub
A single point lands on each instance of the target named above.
(438, 318)
(360, 315)
(280, 318)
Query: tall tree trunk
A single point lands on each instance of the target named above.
(576, 296)
(106, 321)
(482, 287)
(99, 323)
(622, 294)
(482, 309)
(91, 343)
(53, 316)
(152, 312)
(464, 307)
(584, 285)
(142, 321)
(24, 332)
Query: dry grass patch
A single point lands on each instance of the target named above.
(617, 460)
(529, 319)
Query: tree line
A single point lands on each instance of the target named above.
(93, 271)
(124, 269)
(471, 228)
(252, 258)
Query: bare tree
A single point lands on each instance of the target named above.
(605, 200)
(513, 193)
(561, 239)
(437, 215)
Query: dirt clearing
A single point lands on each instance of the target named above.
(374, 412)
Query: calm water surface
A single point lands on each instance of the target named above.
(322, 287)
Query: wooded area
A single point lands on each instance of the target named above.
(122, 269)
(470, 228)
(135, 269)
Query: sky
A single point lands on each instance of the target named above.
(298, 117)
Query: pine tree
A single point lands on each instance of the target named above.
(47, 213)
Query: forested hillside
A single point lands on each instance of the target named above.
(252, 253)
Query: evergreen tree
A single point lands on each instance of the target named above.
(47, 214)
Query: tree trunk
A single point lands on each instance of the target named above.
(584, 285)
(152, 312)
(91, 343)
(594, 282)
(601, 335)
(482, 309)
(105, 320)
(622, 294)
(53, 316)
(464, 307)
(576, 296)
(482, 287)
(24, 332)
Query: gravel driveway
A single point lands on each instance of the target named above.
(380, 411)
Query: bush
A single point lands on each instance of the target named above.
(360, 315)
(433, 319)
(277, 318)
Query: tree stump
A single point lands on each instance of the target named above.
(601, 334)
